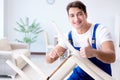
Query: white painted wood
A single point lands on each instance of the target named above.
(37, 69)
(63, 70)
(19, 71)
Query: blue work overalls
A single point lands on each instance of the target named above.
(78, 73)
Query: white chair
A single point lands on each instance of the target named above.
(12, 52)
(49, 46)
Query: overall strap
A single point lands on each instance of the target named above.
(70, 37)
(71, 40)
(94, 36)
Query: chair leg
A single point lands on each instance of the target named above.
(19, 71)
(67, 65)
(37, 69)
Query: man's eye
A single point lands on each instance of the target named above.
(71, 15)
(80, 13)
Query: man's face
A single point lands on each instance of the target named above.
(77, 17)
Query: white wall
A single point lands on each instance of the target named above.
(1, 18)
(117, 35)
(102, 11)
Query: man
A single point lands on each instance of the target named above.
(93, 41)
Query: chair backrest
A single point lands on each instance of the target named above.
(4, 45)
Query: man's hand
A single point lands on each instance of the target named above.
(87, 52)
(55, 53)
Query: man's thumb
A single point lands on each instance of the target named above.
(88, 42)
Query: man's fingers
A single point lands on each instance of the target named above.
(55, 53)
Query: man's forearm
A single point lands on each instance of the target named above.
(106, 57)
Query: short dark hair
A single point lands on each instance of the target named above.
(76, 4)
